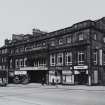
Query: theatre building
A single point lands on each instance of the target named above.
(73, 55)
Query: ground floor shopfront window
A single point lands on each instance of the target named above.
(61, 77)
(80, 77)
(55, 77)
(68, 77)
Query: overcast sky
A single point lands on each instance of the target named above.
(20, 16)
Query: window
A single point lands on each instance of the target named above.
(11, 63)
(3, 67)
(4, 59)
(21, 49)
(17, 50)
(104, 58)
(21, 63)
(0, 51)
(25, 62)
(5, 50)
(95, 58)
(68, 39)
(104, 39)
(11, 51)
(60, 41)
(60, 59)
(52, 59)
(39, 44)
(81, 58)
(44, 43)
(17, 63)
(74, 37)
(68, 58)
(81, 37)
(53, 43)
(95, 37)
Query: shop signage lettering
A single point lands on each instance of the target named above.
(67, 72)
(80, 67)
(20, 72)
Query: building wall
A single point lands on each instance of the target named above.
(83, 40)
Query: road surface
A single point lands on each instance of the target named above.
(51, 95)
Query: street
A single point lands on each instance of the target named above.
(35, 94)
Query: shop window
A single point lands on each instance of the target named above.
(52, 59)
(60, 59)
(68, 58)
(81, 58)
(81, 37)
(95, 58)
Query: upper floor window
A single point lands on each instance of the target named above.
(95, 58)
(21, 49)
(52, 59)
(44, 43)
(81, 58)
(11, 63)
(21, 63)
(52, 43)
(60, 59)
(25, 62)
(95, 37)
(104, 58)
(0, 51)
(81, 37)
(39, 44)
(2, 60)
(104, 39)
(68, 39)
(68, 57)
(17, 50)
(60, 41)
(11, 51)
(16, 63)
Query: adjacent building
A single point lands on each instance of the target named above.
(73, 55)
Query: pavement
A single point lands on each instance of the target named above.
(71, 87)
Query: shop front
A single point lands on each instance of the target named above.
(68, 77)
(55, 76)
(81, 75)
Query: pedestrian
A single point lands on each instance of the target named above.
(57, 82)
(43, 81)
(53, 83)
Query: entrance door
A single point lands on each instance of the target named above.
(37, 76)
(81, 78)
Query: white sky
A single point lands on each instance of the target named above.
(20, 16)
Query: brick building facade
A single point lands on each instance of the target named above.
(73, 55)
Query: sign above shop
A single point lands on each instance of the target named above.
(20, 72)
(81, 67)
(33, 68)
(66, 72)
